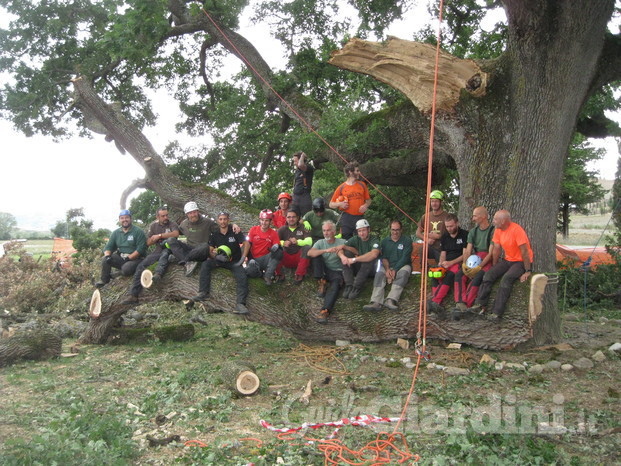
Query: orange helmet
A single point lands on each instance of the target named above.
(285, 196)
(342, 199)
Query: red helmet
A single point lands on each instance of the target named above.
(285, 196)
(266, 213)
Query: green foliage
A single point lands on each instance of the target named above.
(579, 186)
(77, 432)
(7, 225)
(144, 206)
(593, 289)
(81, 231)
(614, 240)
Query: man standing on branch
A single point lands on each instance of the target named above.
(479, 244)
(296, 242)
(434, 221)
(359, 258)
(227, 250)
(265, 250)
(516, 264)
(328, 249)
(352, 198)
(396, 267)
(302, 183)
(125, 249)
(280, 216)
(159, 232)
(452, 244)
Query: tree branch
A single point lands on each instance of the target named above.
(409, 67)
(138, 183)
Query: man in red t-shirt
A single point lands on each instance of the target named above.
(265, 250)
(517, 264)
(352, 198)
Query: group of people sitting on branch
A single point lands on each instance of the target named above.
(302, 234)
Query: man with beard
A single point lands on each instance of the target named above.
(328, 249)
(296, 242)
(125, 249)
(395, 269)
(359, 257)
(265, 250)
(352, 198)
(452, 244)
(197, 229)
(159, 232)
(227, 250)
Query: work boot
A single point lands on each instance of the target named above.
(434, 307)
(100, 284)
(241, 309)
(298, 279)
(354, 293)
(201, 296)
(322, 316)
(391, 304)
(322, 288)
(347, 291)
(267, 280)
(372, 307)
(156, 278)
(461, 307)
(130, 300)
(493, 317)
(476, 309)
(189, 268)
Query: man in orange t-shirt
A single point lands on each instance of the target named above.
(517, 263)
(352, 198)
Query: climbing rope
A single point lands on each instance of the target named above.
(383, 450)
(316, 356)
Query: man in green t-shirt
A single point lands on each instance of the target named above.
(359, 258)
(125, 249)
(396, 267)
(328, 249)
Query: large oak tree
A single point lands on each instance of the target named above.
(505, 123)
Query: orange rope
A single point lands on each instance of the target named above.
(333, 449)
(300, 117)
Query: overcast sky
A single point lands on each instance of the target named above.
(41, 179)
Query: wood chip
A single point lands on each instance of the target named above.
(404, 344)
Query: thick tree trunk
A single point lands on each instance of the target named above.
(510, 139)
(292, 307)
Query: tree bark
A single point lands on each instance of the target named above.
(288, 306)
(35, 345)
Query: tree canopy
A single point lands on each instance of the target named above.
(550, 69)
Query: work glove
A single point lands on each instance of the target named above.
(109, 259)
(275, 247)
(307, 225)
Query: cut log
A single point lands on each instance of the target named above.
(95, 307)
(241, 378)
(34, 345)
